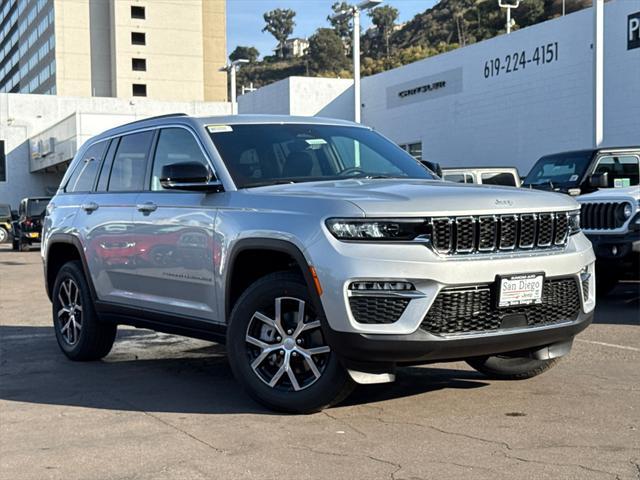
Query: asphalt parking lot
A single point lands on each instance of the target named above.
(166, 407)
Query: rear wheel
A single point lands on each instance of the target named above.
(4, 235)
(277, 350)
(80, 334)
(15, 245)
(503, 367)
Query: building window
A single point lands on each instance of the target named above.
(138, 38)
(139, 90)
(137, 12)
(413, 149)
(139, 64)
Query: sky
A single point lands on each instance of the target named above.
(245, 22)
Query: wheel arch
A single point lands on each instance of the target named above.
(283, 248)
(63, 248)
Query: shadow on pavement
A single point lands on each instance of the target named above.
(161, 373)
(621, 306)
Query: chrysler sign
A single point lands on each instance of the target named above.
(425, 88)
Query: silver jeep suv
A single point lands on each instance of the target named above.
(320, 252)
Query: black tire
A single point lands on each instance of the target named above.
(95, 338)
(334, 383)
(4, 235)
(605, 284)
(23, 246)
(502, 367)
(15, 245)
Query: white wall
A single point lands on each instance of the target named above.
(306, 96)
(514, 118)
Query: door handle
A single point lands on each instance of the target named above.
(90, 207)
(147, 207)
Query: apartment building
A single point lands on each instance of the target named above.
(161, 49)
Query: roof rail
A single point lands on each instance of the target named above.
(166, 115)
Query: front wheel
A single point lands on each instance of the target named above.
(503, 367)
(277, 350)
(81, 335)
(4, 235)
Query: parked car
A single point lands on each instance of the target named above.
(585, 171)
(6, 231)
(27, 228)
(322, 272)
(611, 220)
(506, 176)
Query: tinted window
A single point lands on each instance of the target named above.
(84, 175)
(3, 163)
(458, 177)
(498, 179)
(5, 211)
(36, 206)
(566, 168)
(175, 145)
(275, 153)
(623, 171)
(130, 163)
(103, 181)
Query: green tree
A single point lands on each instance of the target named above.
(326, 52)
(249, 53)
(341, 25)
(384, 18)
(279, 23)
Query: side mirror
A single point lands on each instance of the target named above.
(433, 166)
(599, 180)
(192, 176)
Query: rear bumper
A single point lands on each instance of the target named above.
(423, 347)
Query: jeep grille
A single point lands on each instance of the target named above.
(602, 216)
(492, 233)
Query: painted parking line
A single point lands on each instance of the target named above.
(612, 345)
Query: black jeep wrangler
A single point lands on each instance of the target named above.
(27, 228)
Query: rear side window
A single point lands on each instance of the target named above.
(130, 163)
(496, 178)
(175, 145)
(84, 175)
(458, 177)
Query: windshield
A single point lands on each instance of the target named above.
(35, 208)
(564, 169)
(5, 211)
(267, 154)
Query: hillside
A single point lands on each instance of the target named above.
(448, 25)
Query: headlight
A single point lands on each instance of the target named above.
(628, 210)
(574, 222)
(377, 229)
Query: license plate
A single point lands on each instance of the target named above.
(525, 289)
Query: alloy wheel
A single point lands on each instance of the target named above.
(3, 235)
(70, 313)
(285, 345)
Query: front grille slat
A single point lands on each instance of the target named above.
(473, 310)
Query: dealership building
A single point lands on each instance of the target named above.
(501, 102)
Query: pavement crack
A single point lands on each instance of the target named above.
(344, 421)
(169, 424)
(577, 465)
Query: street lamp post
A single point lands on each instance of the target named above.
(354, 12)
(231, 68)
(508, 7)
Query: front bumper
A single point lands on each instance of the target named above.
(364, 350)
(615, 247)
(338, 264)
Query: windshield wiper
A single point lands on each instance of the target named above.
(267, 183)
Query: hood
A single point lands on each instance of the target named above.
(400, 197)
(612, 194)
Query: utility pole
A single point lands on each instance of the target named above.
(508, 7)
(354, 12)
(598, 71)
